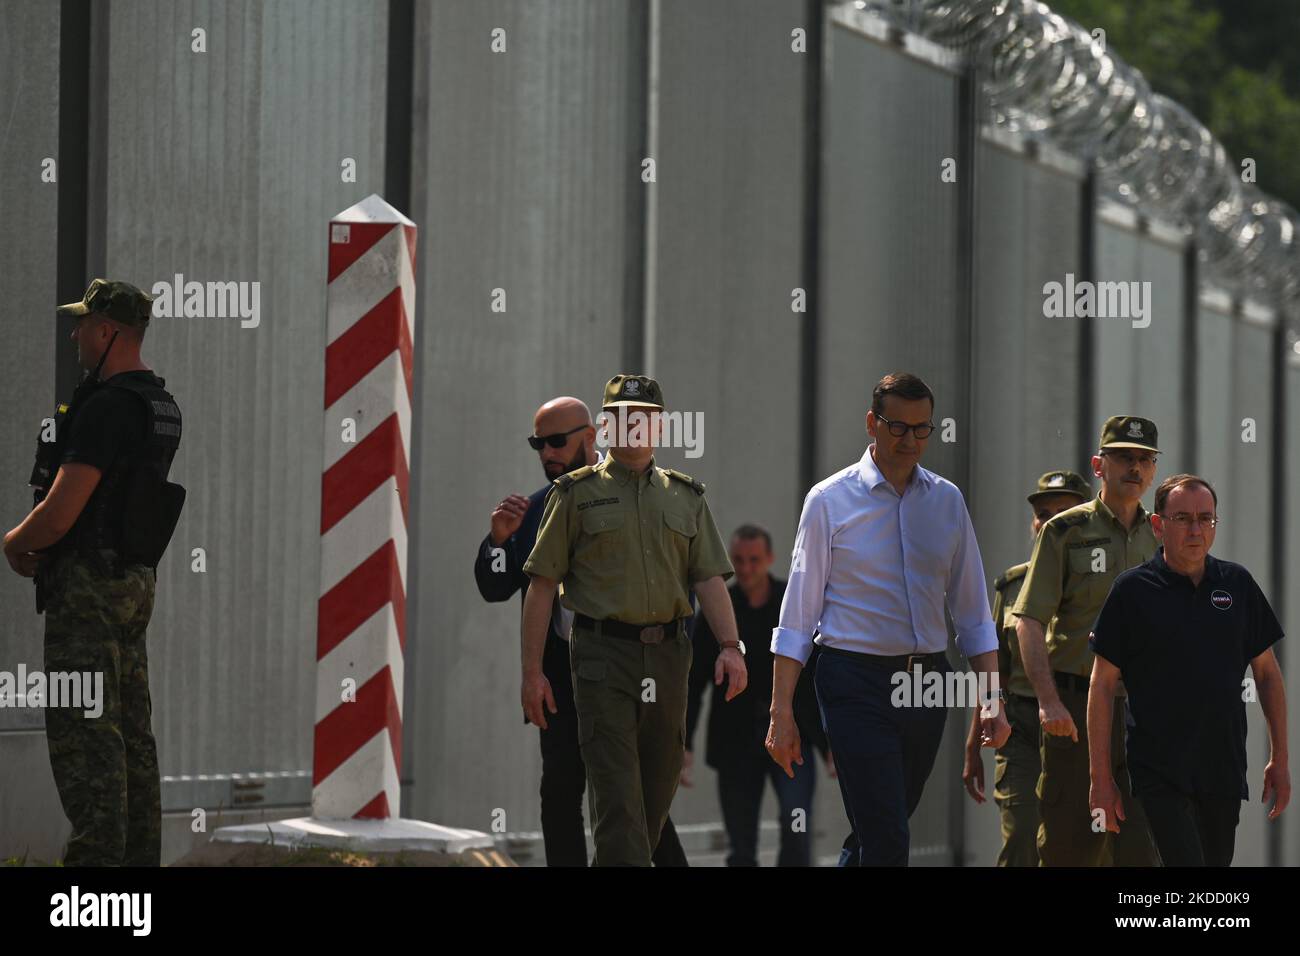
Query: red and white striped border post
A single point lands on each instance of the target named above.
(361, 617)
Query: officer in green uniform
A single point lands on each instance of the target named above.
(628, 540)
(1016, 765)
(103, 514)
(1077, 556)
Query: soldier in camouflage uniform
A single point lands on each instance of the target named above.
(105, 767)
(104, 511)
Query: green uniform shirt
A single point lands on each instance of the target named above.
(1005, 591)
(628, 547)
(1077, 556)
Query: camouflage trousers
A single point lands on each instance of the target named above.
(106, 766)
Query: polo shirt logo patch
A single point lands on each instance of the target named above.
(1221, 599)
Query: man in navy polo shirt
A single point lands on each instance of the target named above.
(1180, 630)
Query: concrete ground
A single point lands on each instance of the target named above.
(705, 845)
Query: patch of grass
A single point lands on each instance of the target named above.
(26, 860)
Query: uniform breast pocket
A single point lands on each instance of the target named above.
(679, 529)
(1093, 565)
(601, 536)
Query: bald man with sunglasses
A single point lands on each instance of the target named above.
(565, 440)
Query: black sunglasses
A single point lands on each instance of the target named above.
(558, 440)
(899, 429)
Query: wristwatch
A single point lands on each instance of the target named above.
(739, 645)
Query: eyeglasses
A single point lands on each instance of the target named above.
(1128, 460)
(899, 429)
(1185, 520)
(558, 440)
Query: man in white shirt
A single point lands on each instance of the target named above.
(882, 547)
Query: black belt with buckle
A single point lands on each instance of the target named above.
(645, 633)
(898, 662)
(1071, 682)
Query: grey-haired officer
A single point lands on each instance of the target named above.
(628, 540)
(1016, 765)
(1076, 558)
(103, 516)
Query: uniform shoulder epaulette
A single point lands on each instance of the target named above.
(565, 482)
(693, 482)
(1011, 575)
(1074, 516)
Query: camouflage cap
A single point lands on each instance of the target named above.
(1061, 483)
(633, 390)
(1128, 431)
(119, 301)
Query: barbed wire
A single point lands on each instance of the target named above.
(1048, 79)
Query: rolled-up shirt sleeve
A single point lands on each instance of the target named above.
(967, 596)
(801, 608)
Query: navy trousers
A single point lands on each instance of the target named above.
(740, 792)
(883, 754)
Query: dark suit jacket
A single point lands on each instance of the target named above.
(501, 586)
(737, 729)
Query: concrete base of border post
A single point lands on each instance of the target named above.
(397, 838)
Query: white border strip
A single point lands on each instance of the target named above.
(361, 532)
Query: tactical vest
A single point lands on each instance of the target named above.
(134, 508)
